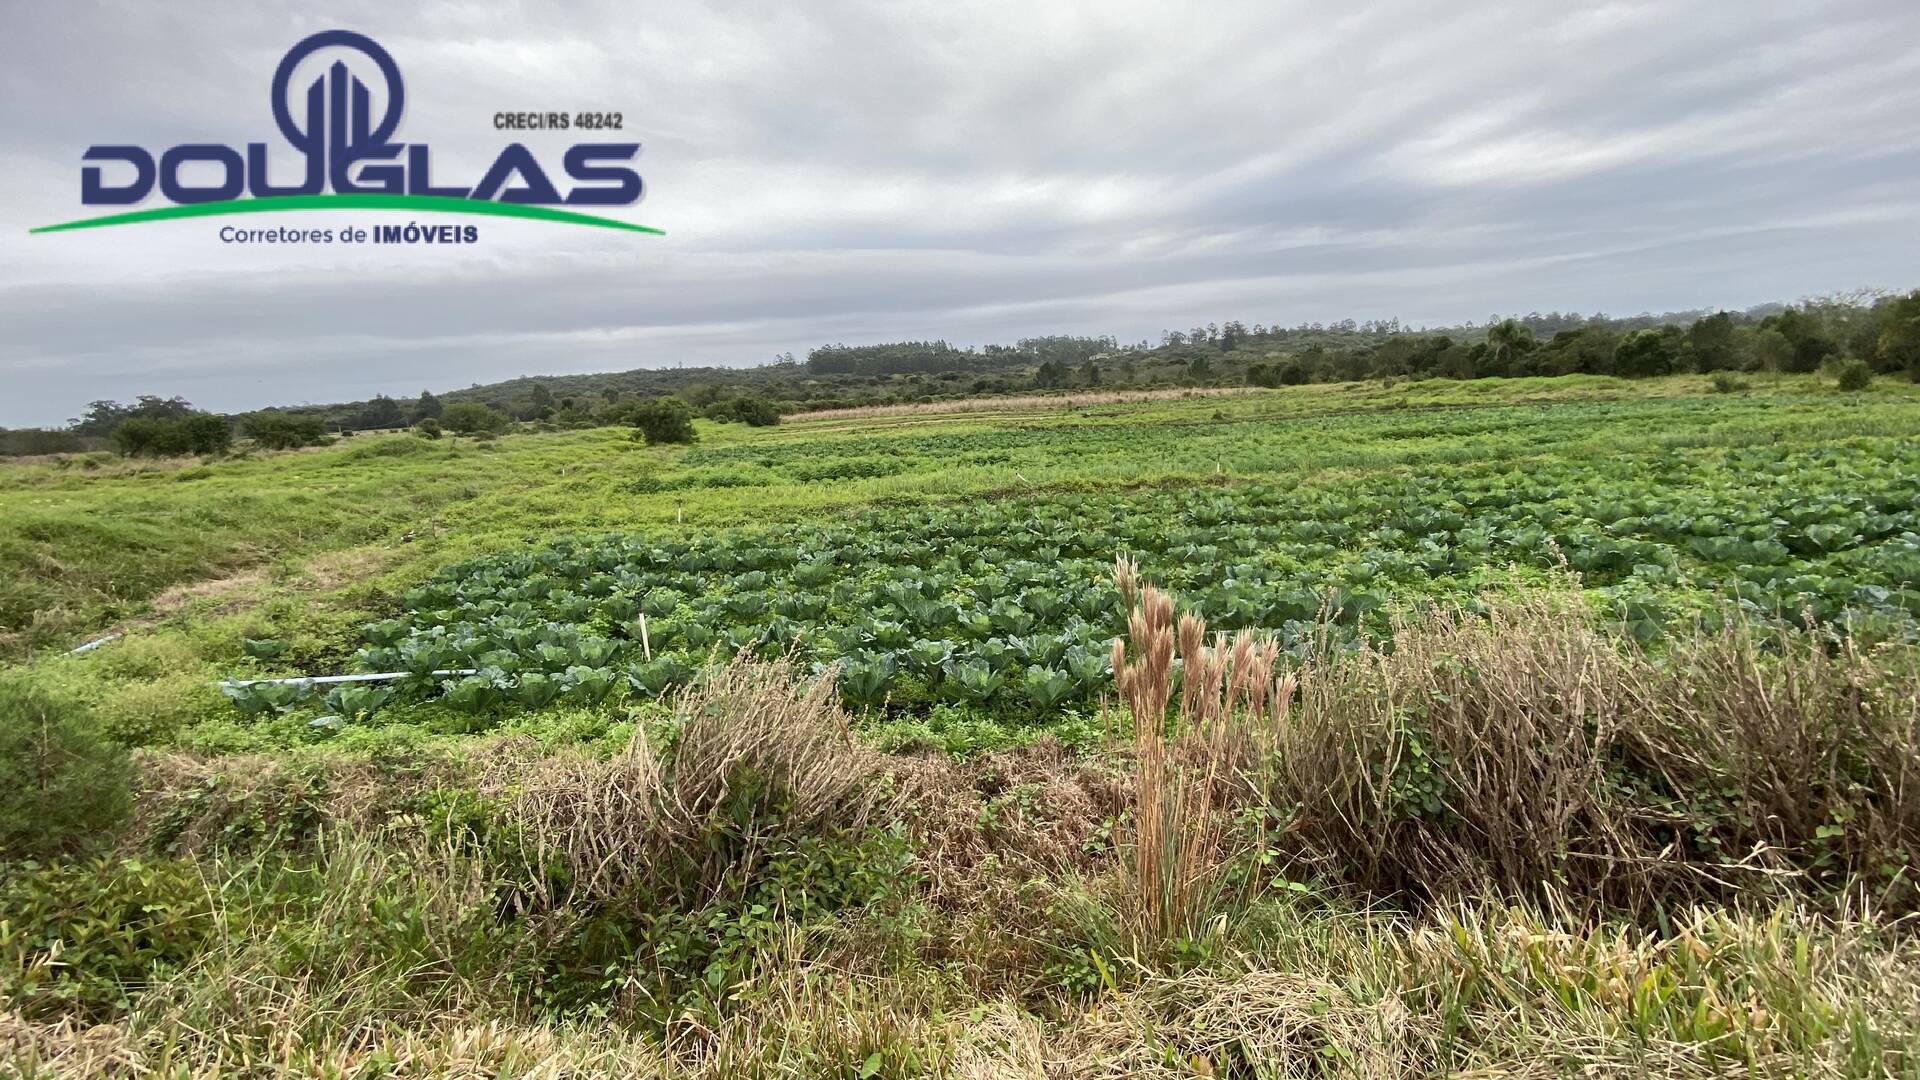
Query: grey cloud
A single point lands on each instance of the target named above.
(977, 171)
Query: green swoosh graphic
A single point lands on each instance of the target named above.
(420, 204)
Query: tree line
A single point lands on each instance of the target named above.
(1856, 337)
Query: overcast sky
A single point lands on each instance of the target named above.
(856, 171)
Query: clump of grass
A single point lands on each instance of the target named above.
(1526, 751)
(1231, 701)
(752, 740)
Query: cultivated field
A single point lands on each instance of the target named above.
(1504, 727)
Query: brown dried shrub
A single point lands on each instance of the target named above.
(756, 743)
(1527, 751)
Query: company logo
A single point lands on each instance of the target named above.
(351, 160)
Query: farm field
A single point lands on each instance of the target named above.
(1555, 725)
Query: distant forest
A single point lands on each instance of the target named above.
(1855, 336)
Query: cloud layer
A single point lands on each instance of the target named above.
(845, 171)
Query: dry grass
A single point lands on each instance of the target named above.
(1618, 864)
(747, 731)
(1525, 752)
(1232, 701)
(1471, 991)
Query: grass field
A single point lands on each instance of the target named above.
(1556, 726)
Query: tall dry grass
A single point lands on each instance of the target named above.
(1468, 990)
(1528, 752)
(1232, 702)
(754, 738)
(1556, 853)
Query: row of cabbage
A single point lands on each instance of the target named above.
(1007, 605)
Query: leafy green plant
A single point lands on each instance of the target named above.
(259, 698)
(63, 787)
(357, 701)
(588, 684)
(976, 681)
(1047, 688)
(84, 938)
(664, 420)
(864, 680)
(264, 648)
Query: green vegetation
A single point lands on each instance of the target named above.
(63, 782)
(1562, 724)
(199, 433)
(273, 430)
(664, 420)
(1857, 335)
(471, 418)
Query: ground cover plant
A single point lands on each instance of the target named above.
(1526, 727)
(1005, 605)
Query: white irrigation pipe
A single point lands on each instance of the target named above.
(327, 680)
(92, 645)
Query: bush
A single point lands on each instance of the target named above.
(1852, 375)
(1724, 383)
(752, 411)
(83, 938)
(472, 418)
(206, 433)
(278, 431)
(146, 437)
(428, 428)
(63, 787)
(39, 441)
(1547, 757)
(665, 420)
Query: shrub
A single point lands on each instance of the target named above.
(472, 418)
(1527, 752)
(63, 787)
(206, 433)
(1853, 375)
(39, 441)
(428, 428)
(278, 431)
(84, 938)
(664, 420)
(143, 436)
(1726, 383)
(752, 411)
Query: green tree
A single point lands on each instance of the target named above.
(1586, 351)
(1898, 347)
(1654, 351)
(146, 436)
(1712, 339)
(206, 433)
(427, 406)
(665, 420)
(1772, 351)
(1508, 343)
(99, 419)
(755, 411)
(276, 430)
(382, 412)
(1811, 345)
(472, 418)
